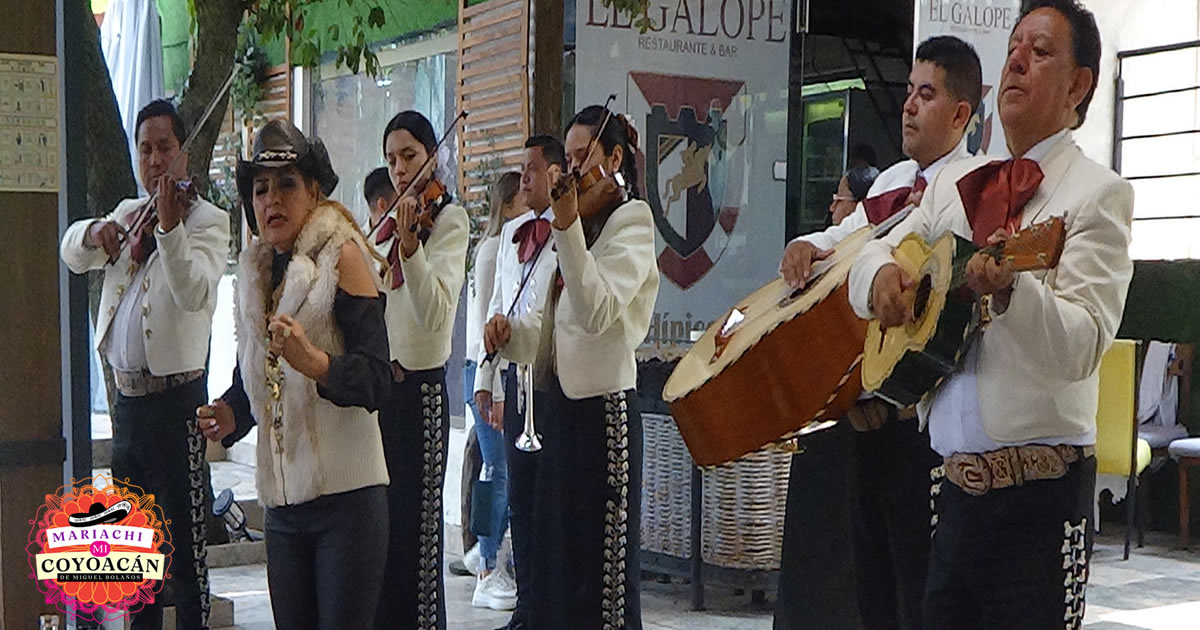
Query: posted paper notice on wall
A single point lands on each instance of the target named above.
(28, 123)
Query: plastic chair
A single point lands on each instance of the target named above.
(1118, 449)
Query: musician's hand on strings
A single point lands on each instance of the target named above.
(566, 207)
(170, 203)
(914, 198)
(797, 262)
(107, 235)
(496, 417)
(289, 341)
(987, 277)
(496, 333)
(888, 301)
(407, 210)
(215, 420)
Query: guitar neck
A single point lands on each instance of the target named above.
(1038, 246)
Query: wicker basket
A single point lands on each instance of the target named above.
(743, 502)
(666, 488)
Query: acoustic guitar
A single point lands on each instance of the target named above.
(904, 363)
(781, 363)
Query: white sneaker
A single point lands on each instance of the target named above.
(495, 592)
(473, 560)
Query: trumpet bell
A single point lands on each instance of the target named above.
(529, 442)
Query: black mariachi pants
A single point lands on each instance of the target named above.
(892, 523)
(816, 580)
(415, 425)
(522, 480)
(1014, 558)
(157, 446)
(588, 514)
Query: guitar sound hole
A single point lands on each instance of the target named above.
(921, 300)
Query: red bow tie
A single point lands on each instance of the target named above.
(530, 238)
(994, 195)
(881, 207)
(386, 230)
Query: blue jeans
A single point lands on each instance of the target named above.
(491, 447)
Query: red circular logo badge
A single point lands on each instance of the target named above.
(99, 549)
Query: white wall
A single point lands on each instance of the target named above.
(1126, 25)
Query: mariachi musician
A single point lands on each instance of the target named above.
(1016, 422)
(891, 456)
(425, 244)
(161, 269)
(525, 264)
(588, 497)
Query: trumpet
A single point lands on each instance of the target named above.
(528, 441)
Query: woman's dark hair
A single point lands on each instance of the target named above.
(617, 132)
(860, 179)
(414, 123)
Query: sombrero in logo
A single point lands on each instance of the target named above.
(99, 515)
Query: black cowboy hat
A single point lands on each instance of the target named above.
(100, 515)
(279, 144)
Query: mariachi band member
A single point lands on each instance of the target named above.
(524, 252)
(588, 492)
(890, 455)
(425, 245)
(156, 309)
(1016, 423)
(311, 369)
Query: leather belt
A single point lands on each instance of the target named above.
(979, 473)
(135, 383)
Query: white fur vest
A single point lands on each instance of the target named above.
(313, 447)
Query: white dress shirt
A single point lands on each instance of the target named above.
(531, 300)
(955, 421)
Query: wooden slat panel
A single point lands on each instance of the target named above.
(491, 100)
(491, 5)
(509, 39)
(511, 111)
(493, 83)
(503, 130)
(496, 81)
(472, 39)
(511, 12)
(491, 64)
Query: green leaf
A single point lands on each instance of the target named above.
(334, 32)
(376, 17)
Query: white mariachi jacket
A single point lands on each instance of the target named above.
(420, 314)
(180, 283)
(603, 312)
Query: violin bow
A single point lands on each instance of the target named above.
(144, 213)
(428, 160)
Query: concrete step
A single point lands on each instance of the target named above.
(220, 616)
(238, 554)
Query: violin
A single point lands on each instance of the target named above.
(430, 202)
(598, 191)
(141, 224)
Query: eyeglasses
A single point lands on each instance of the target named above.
(837, 197)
